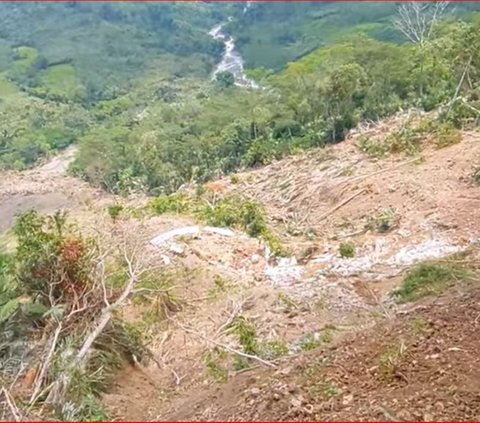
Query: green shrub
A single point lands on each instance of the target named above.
(383, 222)
(178, 203)
(429, 278)
(271, 350)
(371, 147)
(246, 334)
(347, 250)
(405, 140)
(248, 215)
(212, 360)
(446, 134)
(114, 210)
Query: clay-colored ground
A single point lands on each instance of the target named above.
(314, 202)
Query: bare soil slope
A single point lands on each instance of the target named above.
(385, 362)
(373, 358)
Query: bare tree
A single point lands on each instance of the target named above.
(416, 19)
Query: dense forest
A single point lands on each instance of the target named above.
(130, 83)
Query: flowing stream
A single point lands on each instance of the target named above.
(231, 61)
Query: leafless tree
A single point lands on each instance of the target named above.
(416, 19)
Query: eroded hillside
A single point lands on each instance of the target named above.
(240, 334)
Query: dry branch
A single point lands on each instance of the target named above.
(60, 385)
(11, 405)
(219, 344)
(328, 213)
(45, 365)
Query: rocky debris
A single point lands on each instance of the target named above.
(381, 255)
(426, 250)
(161, 240)
(285, 272)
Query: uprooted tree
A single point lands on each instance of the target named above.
(61, 332)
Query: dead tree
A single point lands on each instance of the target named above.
(416, 20)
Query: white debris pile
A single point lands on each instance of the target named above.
(344, 266)
(162, 239)
(406, 256)
(430, 249)
(286, 272)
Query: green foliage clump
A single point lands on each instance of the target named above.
(225, 79)
(212, 361)
(406, 140)
(246, 334)
(48, 285)
(114, 210)
(391, 359)
(178, 203)
(444, 133)
(273, 349)
(346, 250)
(248, 215)
(429, 278)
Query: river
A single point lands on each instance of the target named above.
(231, 60)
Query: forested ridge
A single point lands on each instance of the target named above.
(130, 83)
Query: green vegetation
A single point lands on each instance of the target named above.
(211, 360)
(311, 341)
(271, 35)
(114, 210)
(50, 297)
(231, 211)
(134, 93)
(391, 359)
(382, 223)
(245, 332)
(346, 250)
(430, 278)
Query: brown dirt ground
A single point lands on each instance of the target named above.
(429, 370)
(434, 374)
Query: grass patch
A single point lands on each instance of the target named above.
(212, 360)
(245, 332)
(287, 302)
(312, 341)
(114, 210)
(419, 325)
(430, 278)
(273, 349)
(7, 88)
(326, 390)
(406, 140)
(382, 223)
(220, 286)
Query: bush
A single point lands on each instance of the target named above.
(178, 203)
(446, 134)
(346, 250)
(383, 223)
(114, 210)
(248, 215)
